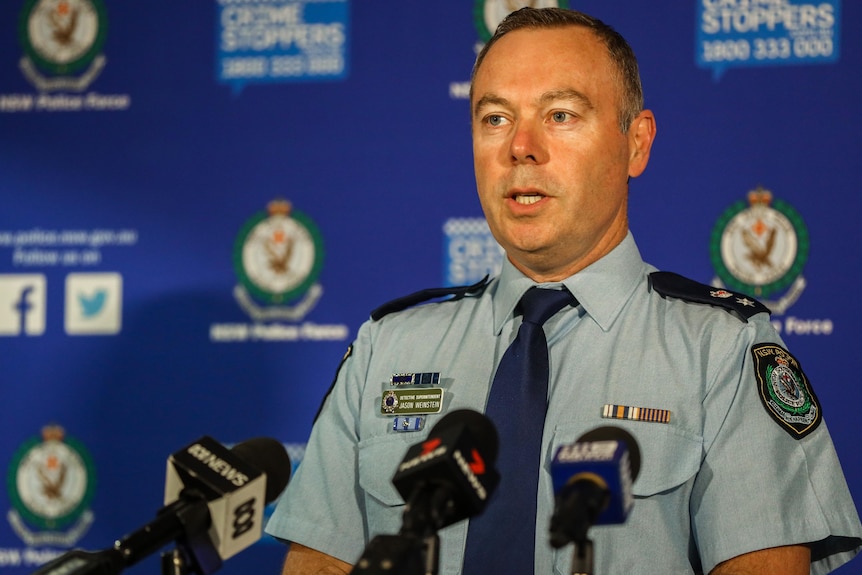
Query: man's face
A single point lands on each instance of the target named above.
(551, 162)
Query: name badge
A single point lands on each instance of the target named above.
(412, 401)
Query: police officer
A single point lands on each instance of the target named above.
(739, 474)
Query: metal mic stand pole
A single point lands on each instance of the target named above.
(174, 562)
(420, 522)
(414, 551)
(431, 554)
(582, 557)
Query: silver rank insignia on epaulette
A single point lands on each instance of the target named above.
(426, 378)
(408, 423)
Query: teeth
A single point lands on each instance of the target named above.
(527, 200)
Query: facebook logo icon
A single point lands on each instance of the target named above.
(22, 304)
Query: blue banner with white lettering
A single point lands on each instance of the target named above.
(767, 33)
(202, 201)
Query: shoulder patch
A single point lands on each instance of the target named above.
(424, 295)
(669, 284)
(785, 391)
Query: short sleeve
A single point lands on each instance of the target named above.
(763, 483)
(322, 506)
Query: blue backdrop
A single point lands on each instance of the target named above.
(202, 200)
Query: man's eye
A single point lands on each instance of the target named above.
(495, 120)
(560, 116)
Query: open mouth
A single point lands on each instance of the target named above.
(527, 199)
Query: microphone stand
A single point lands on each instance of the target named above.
(574, 513)
(399, 555)
(174, 563)
(184, 521)
(416, 548)
(582, 557)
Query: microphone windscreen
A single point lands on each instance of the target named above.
(269, 456)
(481, 428)
(610, 433)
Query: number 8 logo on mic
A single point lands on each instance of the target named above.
(243, 518)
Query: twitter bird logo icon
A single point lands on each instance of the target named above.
(92, 305)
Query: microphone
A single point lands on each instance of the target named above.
(214, 501)
(450, 476)
(233, 483)
(446, 478)
(593, 483)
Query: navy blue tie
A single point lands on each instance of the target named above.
(501, 540)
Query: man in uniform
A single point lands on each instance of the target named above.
(738, 473)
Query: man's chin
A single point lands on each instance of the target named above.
(531, 257)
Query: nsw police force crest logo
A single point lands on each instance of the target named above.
(487, 14)
(62, 41)
(51, 483)
(760, 248)
(785, 391)
(277, 257)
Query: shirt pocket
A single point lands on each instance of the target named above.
(379, 458)
(670, 456)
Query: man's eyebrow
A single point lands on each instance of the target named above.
(489, 99)
(567, 94)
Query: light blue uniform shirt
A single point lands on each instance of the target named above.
(720, 479)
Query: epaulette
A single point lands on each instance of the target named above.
(424, 295)
(669, 284)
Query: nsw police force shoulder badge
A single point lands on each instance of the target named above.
(785, 391)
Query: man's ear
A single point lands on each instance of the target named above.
(641, 136)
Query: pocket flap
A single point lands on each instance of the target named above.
(669, 456)
(379, 458)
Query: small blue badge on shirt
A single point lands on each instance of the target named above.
(408, 423)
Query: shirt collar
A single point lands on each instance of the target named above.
(601, 288)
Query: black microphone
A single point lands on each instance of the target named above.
(593, 483)
(214, 501)
(446, 478)
(450, 476)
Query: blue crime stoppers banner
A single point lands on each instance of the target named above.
(736, 33)
(280, 41)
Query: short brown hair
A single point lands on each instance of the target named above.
(632, 99)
